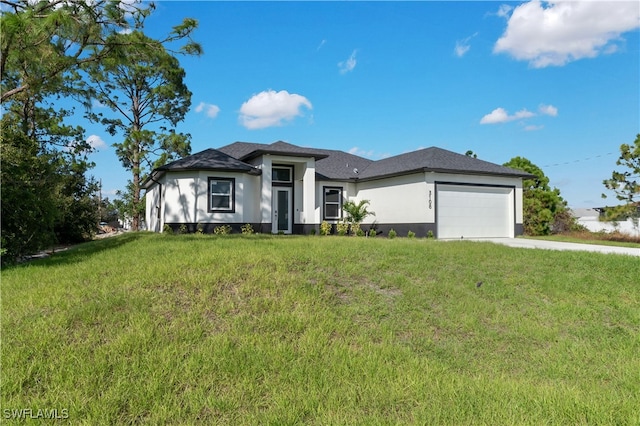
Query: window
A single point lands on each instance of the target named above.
(222, 195)
(332, 203)
(281, 174)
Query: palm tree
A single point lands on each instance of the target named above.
(356, 213)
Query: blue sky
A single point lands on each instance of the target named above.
(557, 83)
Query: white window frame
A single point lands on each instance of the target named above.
(281, 167)
(325, 190)
(231, 194)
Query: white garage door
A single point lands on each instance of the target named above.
(474, 211)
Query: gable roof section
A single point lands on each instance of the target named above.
(436, 160)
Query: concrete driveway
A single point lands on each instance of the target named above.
(556, 245)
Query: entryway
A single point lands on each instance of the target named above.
(282, 208)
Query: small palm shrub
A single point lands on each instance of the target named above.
(372, 232)
(247, 229)
(430, 234)
(199, 229)
(183, 229)
(411, 234)
(166, 229)
(392, 233)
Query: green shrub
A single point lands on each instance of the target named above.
(199, 229)
(222, 230)
(183, 229)
(430, 234)
(392, 233)
(247, 229)
(166, 229)
(411, 234)
(360, 233)
(372, 232)
(313, 231)
(342, 228)
(325, 228)
(355, 229)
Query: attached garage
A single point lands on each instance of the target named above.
(474, 211)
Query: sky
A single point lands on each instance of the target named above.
(555, 82)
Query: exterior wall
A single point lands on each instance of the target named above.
(153, 212)
(185, 198)
(401, 199)
(303, 207)
(404, 203)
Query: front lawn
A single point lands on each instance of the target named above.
(191, 329)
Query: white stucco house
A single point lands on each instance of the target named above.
(284, 188)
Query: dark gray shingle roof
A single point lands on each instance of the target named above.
(209, 159)
(246, 151)
(340, 165)
(436, 160)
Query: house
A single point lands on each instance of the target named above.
(284, 188)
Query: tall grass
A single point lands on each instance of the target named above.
(322, 330)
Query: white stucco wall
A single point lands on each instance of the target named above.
(411, 198)
(152, 202)
(186, 198)
(401, 199)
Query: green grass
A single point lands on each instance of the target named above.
(322, 330)
(587, 238)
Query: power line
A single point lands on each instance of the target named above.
(580, 160)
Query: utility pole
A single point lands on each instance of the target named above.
(100, 201)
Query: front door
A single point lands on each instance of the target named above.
(282, 210)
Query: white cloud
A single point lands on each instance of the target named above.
(322, 43)
(96, 142)
(270, 108)
(500, 115)
(97, 104)
(548, 110)
(209, 109)
(533, 127)
(504, 10)
(463, 46)
(555, 33)
(349, 64)
(368, 154)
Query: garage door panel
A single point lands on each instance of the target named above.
(474, 211)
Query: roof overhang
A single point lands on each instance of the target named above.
(159, 172)
(302, 154)
(522, 175)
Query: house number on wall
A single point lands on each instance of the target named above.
(429, 200)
